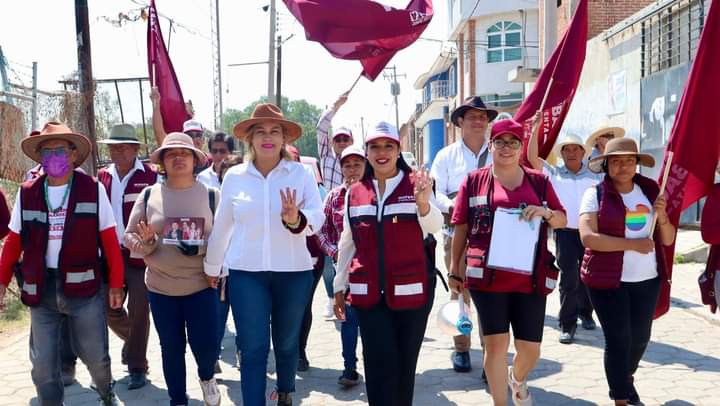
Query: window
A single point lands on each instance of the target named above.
(506, 100)
(670, 37)
(504, 41)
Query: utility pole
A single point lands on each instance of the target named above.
(217, 71)
(34, 118)
(87, 87)
(271, 53)
(394, 90)
(4, 77)
(278, 90)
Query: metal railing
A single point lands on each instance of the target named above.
(439, 90)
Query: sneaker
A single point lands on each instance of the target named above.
(109, 400)
(218, 370)
(568, 335)
(303, 364)
(68, 375)
(520, 394)
(329, 312)
(349, 378)
(211, 393)
(461, 361)
(588, 323)
(284, 399)
(137, 380)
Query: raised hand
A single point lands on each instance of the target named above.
(155, 96)
(342, 99)
(290, 209)
(660, 209)
(423, 186)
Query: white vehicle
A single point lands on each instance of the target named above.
(409, 157)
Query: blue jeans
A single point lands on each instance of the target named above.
(87, 326)
(349, 336)
(259, 299)
(223, 311)
(328, 276)
(173, 316)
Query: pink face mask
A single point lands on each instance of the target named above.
(56, 166)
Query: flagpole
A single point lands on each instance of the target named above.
(355, 83)
(536, 127)
(666, 173)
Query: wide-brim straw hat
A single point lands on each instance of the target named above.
(54, 130)
(268, 112)
(121, 134)
(572, 139)
(621, 146)
(178, 140)
(617, 132)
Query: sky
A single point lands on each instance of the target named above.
(44, 31)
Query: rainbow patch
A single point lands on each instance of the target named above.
(637, 219)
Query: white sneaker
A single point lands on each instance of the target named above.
(211, 393)
(329, 313)
(520, 394)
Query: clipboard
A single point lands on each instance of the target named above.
(513, 242)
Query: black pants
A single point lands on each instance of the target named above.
(391, 344)
(626, 316)
(574, 299)
(307, 317)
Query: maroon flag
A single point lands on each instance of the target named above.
(557, 83)
(695, 137)
(162, 75)
(361, 29)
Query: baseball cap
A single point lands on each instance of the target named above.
(192, 125)
(352, 150)
(384, 129)
(342, 131)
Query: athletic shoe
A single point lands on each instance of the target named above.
(137, 380)
(284, 399)
(588, 323)
(349, 378)
(461, 361)
(568, 335)
(329, 313)
(211, 393)
(519, 389)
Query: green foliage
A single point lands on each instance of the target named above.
(299, 111)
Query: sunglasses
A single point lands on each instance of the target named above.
(218, 151)
(512, 144)
(194, 134)
(342, 138)
(59, 151)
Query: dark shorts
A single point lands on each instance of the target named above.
(525, 312)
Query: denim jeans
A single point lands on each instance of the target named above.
(223, 312)
(259, 299)
(349, 335)
(173, 316)
(306, 324)
(328, 276)
(87, 326)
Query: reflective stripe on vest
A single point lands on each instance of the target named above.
(130, 197)
(474, 272)
(366, 210)
(86, 208)
(409, 289)
(34, 215)
(478, 201)
(30, 288)
(80, 277)
(358, 288)
(400, 208)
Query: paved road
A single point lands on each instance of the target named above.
(681, 366)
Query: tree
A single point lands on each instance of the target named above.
(299, 111)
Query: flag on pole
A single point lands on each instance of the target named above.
(695, 137)
(162, 75)
(555, 88)
(362, 29)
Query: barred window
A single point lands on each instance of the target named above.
(670, 37)
(504, 39)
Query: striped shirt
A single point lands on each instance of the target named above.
(331, 229)
(329, 162)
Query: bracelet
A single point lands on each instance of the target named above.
(294, 225)
(455, 277)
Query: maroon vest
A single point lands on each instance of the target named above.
(603, 270)
(79, 264)
(137, 182)
(480, 221)
(389, 257)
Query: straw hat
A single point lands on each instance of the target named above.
(178, 140)
(54, 130)
(620, 146)
(121, 134)
(616, 132)
(263, 113)
(572, 139)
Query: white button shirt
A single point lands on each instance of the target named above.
(570, 187)
(449, 169)
(248, 233)
(117, 196)
(209, 178)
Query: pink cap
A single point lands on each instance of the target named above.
(343, 131)
(384, 129)
(352, 151)
(192, 125)
(507, 126)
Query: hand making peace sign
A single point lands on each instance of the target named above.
(290, 208)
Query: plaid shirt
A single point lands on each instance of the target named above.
(331, 229)
(329, 162)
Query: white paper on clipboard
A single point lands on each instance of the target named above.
(513, 241)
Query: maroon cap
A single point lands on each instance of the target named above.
(508, 126)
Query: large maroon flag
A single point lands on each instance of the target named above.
(361, 29)
(162, 75)
(695, 136)
(564, 68)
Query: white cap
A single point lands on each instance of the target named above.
(384, 129)
(192, 125)
(352, 150)
(342, 131)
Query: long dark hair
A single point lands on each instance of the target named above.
(400, 164)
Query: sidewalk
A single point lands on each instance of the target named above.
(681, 366)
